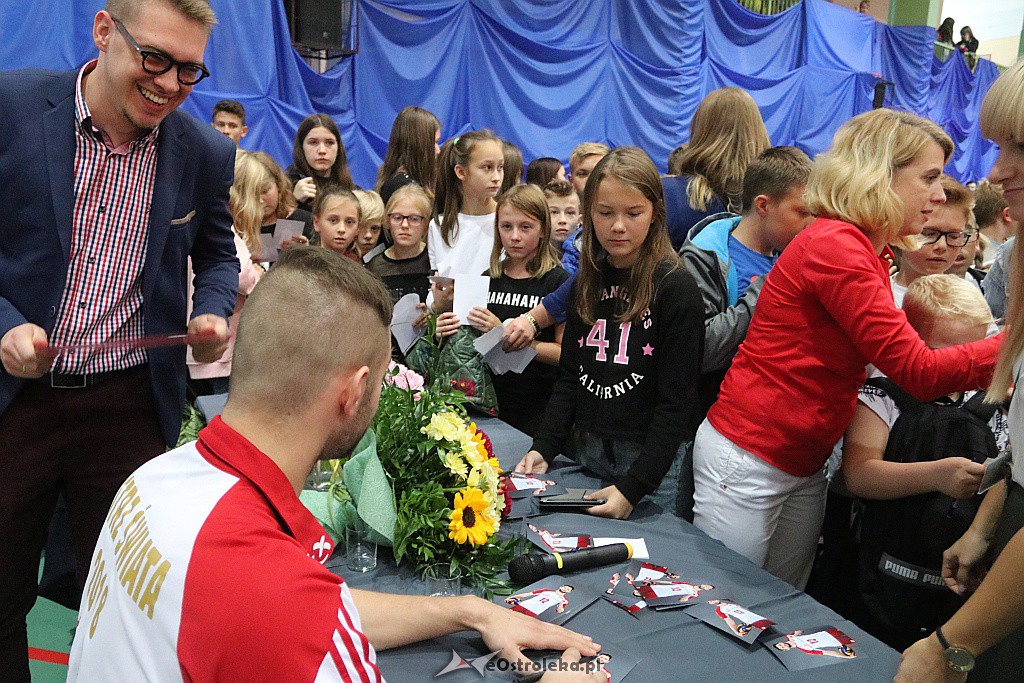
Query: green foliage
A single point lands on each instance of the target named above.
(425, 488)
(191, 422)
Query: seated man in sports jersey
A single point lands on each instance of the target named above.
(208, 567)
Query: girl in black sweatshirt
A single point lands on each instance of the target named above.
(626, 399)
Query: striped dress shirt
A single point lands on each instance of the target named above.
(102, 299)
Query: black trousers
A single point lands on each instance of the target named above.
(83, 444)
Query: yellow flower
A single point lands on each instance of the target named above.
(446, 425)
(470, 518)
(454, 461)
(473, 456)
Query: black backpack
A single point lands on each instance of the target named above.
(902, 541)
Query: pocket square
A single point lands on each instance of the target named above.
(185, 219)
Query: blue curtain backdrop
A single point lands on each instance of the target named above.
(548, 74)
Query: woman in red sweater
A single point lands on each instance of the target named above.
(826, 312)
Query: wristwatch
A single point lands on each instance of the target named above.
(957, 658)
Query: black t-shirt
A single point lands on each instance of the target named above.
(523, 398)
(403, 276)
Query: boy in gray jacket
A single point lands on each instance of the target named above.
(730, 256)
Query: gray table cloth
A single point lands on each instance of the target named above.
(671, 646)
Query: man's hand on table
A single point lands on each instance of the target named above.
(511, 633)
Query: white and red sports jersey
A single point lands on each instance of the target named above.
(668, 590)
(208, 568)
(651, 572)
(540, 601)
(742, 615)
(561, 544)
(816, 643)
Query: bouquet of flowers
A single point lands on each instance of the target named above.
(447, 484)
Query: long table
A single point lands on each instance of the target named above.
(671, 646)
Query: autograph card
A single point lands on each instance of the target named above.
(671, 594)
(996, 470)
(620, 593)
(405, 313)
(556, 599)
(523, 485)
(727, 616)
(489, 344)
(640, 572)
(554, 542)
(811, 648)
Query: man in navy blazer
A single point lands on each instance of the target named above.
(107, 190)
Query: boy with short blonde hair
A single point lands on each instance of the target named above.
(371, 224)
(945, 234)
(582, 160)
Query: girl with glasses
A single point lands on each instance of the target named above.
(944, 233)
(405, 265)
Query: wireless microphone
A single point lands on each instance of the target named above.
(529, 568)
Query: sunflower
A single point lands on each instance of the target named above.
(470, 520)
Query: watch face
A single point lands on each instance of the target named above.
(959, 659)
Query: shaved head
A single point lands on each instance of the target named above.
(313, 316)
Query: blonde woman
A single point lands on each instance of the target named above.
(990, 625)
(726, 134)
(247, 213)
(826, 311)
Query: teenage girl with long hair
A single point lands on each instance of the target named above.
(461, 235)
(279, 202)
(626, 396)
(726, 134)
(524, 269)
(318, 159)
(251, 176)
(412, 148)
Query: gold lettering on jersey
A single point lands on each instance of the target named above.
(141, 568)
(96, 591)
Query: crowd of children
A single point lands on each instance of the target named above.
(749, 292)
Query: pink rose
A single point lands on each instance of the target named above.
(403, 378)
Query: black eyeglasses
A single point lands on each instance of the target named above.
(159, 63)
(953, 239)
(397, 219)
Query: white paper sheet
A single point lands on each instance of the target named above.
(470, 291)
(270, 243)
(368, 256)
(406, 312)
(489, 346)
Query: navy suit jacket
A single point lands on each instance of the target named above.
(189, 217)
